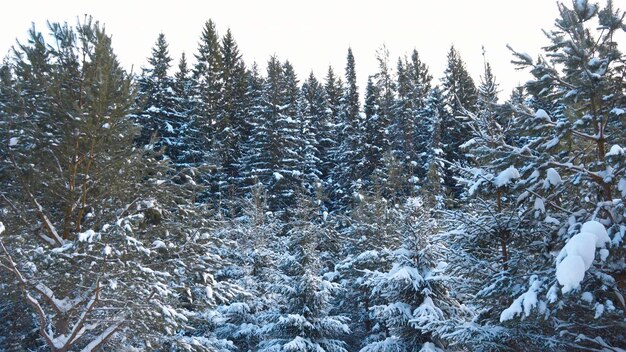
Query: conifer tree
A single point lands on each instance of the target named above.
(208, 106)
(161, 125)
(253, 157)
(349, 130)
(317, 137)
(185, 104)
(302, 322)
(229, 126)
(79, 253)
(412, 309)
(460, 95)
(540, 200)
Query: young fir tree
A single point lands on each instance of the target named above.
(257, 247)
(187, 156)
(302, 321)
(412, 309)
(333, 90)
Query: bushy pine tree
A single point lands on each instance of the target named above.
(96, 249)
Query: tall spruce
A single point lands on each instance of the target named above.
(460, 95)
(161, 124)
(229, 126)
(349, 130)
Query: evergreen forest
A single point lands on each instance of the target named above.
(204, 203)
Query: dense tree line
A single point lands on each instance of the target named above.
(218, 205)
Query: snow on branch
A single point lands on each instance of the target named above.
(579, 253)
(30, 299)
(100, 339)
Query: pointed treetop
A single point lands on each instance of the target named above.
(160, 59)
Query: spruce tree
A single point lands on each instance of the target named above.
(157, 100)
(317, 137)
(254, 158)
(460, 95)
(349, 130)
(208, 107)
(302, 321)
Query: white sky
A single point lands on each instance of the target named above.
(312, 34)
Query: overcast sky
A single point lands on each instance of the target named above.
(311, 34)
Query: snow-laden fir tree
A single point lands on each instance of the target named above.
(301, 321)
(411, 307)
(379, 102)
(230, 127)
(555, 212)
(253, 159)
(187, 155)
(413, 83)
(208, 108)
(348, 149)
(317, 138)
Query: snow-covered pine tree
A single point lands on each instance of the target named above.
(574, 127)
(68, 167)
(95, 252)
(558, 228)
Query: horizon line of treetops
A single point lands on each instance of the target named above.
(270, 135)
